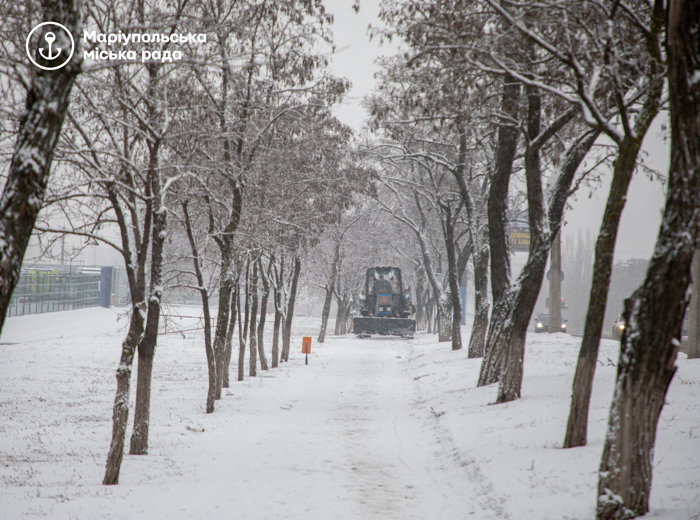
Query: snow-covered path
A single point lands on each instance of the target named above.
(370, 451)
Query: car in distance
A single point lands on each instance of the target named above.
(618, 326)
(542, 323)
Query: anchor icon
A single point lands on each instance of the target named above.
(54, 54)
(50, 38)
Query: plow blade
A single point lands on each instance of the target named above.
(368, 325)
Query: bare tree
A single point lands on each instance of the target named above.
(654, 313)
(424, 204)
(116, 142)
(649, 63)
(331, 287)
(606, 49)
(48, 95)
(208, 347)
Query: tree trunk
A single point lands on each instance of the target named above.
(442, 322)
(330, 288)
(498, 191)
(253, 340)
(654, 313)
(429, 315)
(453, 279)
(241, 340)
(222, 317)
(515, 308)
(147, 345)
(481, 304)
(209, 351)
(279, 315)
(492, 363)
(276, 328)
(287, 332)
(120, 412)
(524, 295)
(226, 383)
(694, 310)
(338, 316)
(224, 241)
(443, 318)
(263, 316)
(139, 436)
(577, 424)
(326, 311)
(39, 129)
(243, 334)
(514, 333)
(530, 280)
(136, 274)
(602, 267)
(418, 294)
(494, 358)
(342, 316)
(347, 312)
(478, 239)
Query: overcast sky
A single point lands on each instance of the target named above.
(354, 60)
(355, 54)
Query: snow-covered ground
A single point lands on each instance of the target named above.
(377, 429)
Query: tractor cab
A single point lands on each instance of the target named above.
(383, 294)
(385, 305)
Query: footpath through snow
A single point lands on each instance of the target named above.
(376, 429)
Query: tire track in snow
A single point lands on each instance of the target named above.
(487, 504)
(397, 468)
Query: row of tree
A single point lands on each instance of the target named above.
(494, 113)
(213, 174)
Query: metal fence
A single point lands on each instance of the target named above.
(61, 288)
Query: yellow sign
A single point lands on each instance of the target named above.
(519, 240)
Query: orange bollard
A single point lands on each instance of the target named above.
(306, 348)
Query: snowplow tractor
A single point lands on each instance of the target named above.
(385, 305)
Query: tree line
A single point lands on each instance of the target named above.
(214, 174)
(490, 118)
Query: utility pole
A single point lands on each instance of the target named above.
(555, 285)
(694, 309)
